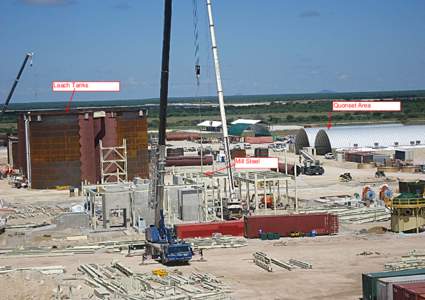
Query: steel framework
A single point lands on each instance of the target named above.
(113, 163)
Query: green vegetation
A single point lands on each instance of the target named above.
(273, 109)
(304, 113)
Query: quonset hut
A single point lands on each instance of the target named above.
(347, 137)
(63, 148)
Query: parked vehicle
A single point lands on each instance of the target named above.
(329, 156)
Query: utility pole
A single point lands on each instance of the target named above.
(163, 102)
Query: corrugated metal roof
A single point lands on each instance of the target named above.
(368, 135)
(245, 121)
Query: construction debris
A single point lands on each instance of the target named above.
(121, 282)
(354, 215)
(413, 260)
(367, 253)
(107, 246)
(264, 261)
(43, 270)
(35, 211)
(300, 264)
(217, 241)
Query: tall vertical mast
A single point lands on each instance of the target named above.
(163, 102)
(220, 99)
(12, 90)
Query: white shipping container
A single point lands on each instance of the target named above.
(384, 286)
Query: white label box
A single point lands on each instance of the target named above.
(256, 162)
(366, 106)
(86, 86)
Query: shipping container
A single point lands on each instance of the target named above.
(291, 168)
(183, 136)
(323, 224)
(369, 280)
(421, 297)
(261, 152)
(237, 153)
(193, 230)
(408, 291)
(175, 152)
(359, 157)
(384, 286)
(259, 139)
(188, 160)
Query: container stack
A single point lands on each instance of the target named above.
(412, 291)
(394, 285)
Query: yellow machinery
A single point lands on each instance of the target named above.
(407, 212)
(160, 272)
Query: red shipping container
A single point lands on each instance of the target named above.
(193, 230)
(323, 224)
(182, 136)
(258, 139)
(291, 169)
(409, 291)
(188, 160)
(421, 297)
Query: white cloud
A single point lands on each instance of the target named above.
(343, 76)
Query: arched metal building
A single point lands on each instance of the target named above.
(324, 140)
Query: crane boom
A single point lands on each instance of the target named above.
(15, 83)
(221, 100)
(163, 102)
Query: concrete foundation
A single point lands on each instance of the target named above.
(74, 220)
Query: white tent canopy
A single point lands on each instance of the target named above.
(209, 123)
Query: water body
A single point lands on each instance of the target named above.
(368, 135)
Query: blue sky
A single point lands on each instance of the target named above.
(265, 46)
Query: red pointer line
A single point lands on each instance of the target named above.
(69, 102)
(329, 120)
